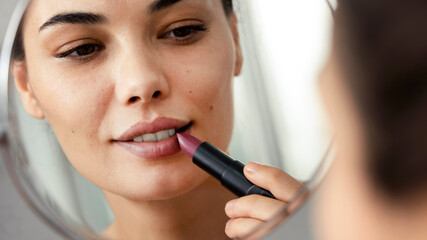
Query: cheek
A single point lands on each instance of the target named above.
(74, 103)
(345, 207)
(205, 83)
(209, 87)
(70, 98)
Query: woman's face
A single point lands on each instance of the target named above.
(104, 73)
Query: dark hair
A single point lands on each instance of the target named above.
(383, 47)
(228, 6)
(18, 53)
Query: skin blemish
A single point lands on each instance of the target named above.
(190, 92)
(211, 108)
(188, 71)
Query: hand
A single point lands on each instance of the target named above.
(247, 212)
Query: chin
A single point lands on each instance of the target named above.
(163, 184)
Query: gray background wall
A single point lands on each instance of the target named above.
(18, 222)
(16, 219)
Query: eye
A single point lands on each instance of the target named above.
(85, 50)
(185, 33)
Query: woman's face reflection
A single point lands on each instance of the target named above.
(105, 72)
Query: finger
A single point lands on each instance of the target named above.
(239, 227)
(253, 206)
(273, 179)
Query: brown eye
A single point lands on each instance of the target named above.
(81, 51)
(84, 50)
(181, 32)
(184, 32)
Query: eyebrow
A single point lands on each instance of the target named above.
(75, 18)
(160, 5)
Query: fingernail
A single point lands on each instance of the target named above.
(228, 223)
(230, 205)
(252, 167)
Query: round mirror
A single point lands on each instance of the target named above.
(93, 95)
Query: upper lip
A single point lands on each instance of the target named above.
(157, 125)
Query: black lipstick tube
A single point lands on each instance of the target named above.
(227, 170)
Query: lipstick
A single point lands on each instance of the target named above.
(219, 165)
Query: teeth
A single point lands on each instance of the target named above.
(162, 135)
(171, 132)
(155, 137)
(150, 137)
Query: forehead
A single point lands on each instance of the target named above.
(40, 11)
(43, 9)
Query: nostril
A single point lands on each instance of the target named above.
(133, 99)
(156, 94)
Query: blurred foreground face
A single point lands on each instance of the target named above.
(343, 207)
(348, 205)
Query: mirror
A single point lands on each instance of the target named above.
(81, 92)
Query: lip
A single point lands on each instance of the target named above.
(157, 125)
(153, 150)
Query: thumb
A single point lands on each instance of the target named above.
(279, 183)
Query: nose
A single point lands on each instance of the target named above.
(140, 79)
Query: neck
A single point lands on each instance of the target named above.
(198, 214)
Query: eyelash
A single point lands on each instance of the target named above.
(69, 53)
(192, 34)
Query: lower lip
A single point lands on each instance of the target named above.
(153, 150)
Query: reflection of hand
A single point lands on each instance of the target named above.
(249, 211)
